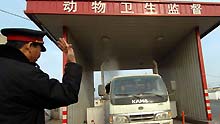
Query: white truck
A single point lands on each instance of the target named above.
(137, 99)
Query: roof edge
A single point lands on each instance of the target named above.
(210, 29)
(42, 27)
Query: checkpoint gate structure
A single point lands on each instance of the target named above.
(134, 33)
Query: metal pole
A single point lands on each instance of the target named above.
(102, 74)
(155, 69)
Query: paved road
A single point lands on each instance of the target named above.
(215, 107)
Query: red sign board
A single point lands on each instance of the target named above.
(124, 8)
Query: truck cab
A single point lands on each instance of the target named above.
(137, 99)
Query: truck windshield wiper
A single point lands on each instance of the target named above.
(137, 95)
(121, 94)
(129, 95)
(149, 93)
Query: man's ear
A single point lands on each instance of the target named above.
(26, 50)
(29, 45)
(26, 47)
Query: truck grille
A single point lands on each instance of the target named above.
(143, 117)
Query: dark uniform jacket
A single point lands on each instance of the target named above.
(25, 90)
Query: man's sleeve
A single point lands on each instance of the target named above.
(50, 93)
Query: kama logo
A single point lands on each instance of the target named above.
(139, 101)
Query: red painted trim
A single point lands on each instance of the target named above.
(208, 107)
(64, 112)
(202, 71)
(116, 8)
(64, 120)
(209, 115)
(207, 101)
(201, 62)
(24, 38)
(206, 94)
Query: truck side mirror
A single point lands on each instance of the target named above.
(173, 85)
(101, 90)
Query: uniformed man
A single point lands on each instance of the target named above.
(25, 90)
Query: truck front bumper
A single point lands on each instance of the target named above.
(154, 122)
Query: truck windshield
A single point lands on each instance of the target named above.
(150, 88)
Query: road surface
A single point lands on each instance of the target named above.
(215, 106)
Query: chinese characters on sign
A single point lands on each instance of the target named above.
(128, 7)
(173, 9)
(150, 8)
(98, 7)
(196, 9)
(70, 6)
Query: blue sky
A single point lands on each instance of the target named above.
(51, 61)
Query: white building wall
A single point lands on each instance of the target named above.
(214, 95)
(218, 94)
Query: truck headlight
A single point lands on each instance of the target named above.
(118, 119)
(163, 116)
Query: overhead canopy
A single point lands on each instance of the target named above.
(132, 37)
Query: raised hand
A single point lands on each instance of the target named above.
(67, 49)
